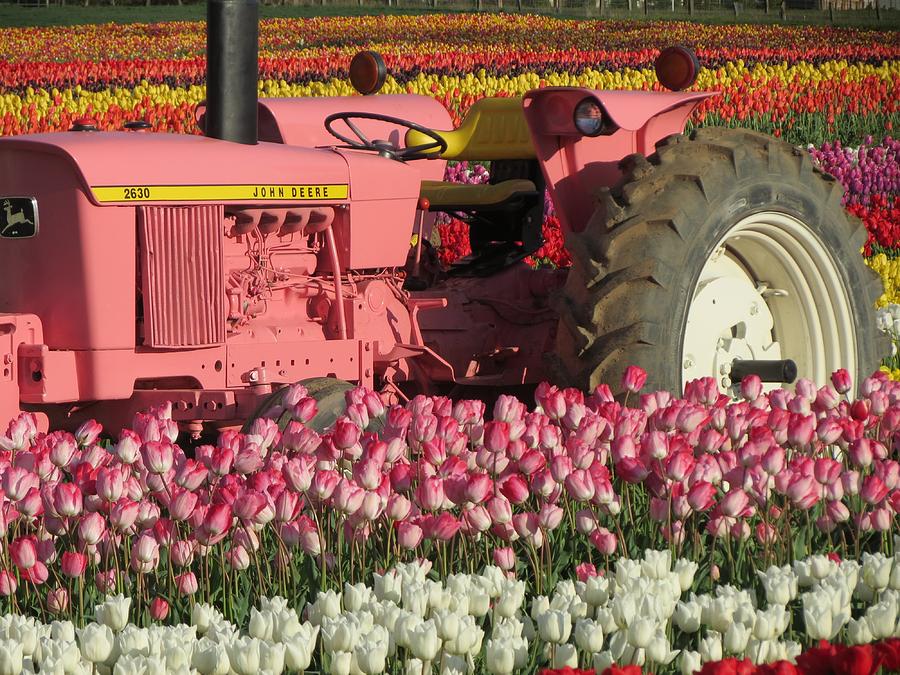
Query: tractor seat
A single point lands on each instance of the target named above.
(494, 128)
(463, 197)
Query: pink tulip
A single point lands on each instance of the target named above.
(17, 481)
(106, 581)
(324, 483)
(632, 470)
(430, 493)
(514, 488)
(182, 505)
(67, 500)
(191, 474)
(110, 484)
(851, 482)
(123, 514)
(442, 527)
(837, 511)
(604, 541)
(37, 574)
(881, 519)
(8, 583)
(73, 564)
(88, 433)
(298, 473)
(751, 387)
(145, 554)
(504, 558)
(580, 485)
(550, 516)
(159, 609)
(873, 490)
(827, 470)
(500, 509)
(186, 583)
(679, 465)
(633, 379)
(58, 601)
(182, 553)
(91, 528)
(238, 558)
(841, 380)
(859, 410)
(158, 456)
(221, 461)
(801, 430)
(409, 535)
(476, 519)
(62, 449)
(218, 519)
(23, 553)
(735, 503)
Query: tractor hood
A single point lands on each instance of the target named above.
(119, 168)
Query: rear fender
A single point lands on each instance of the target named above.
(576, 166)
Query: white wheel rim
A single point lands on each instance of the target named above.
(770, 290)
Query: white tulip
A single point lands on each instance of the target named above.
(859, 632)
(326, 605)
(479, 602)
(447, 624)
(25, 631)
(882, 618)
(659, 650)
(602, 661)
(640, 632)
(340, 634)
(539, 605)
(201, 617)
(424, 641)
(341, 663)
(300, 646)
(453, 664)
(589, 636)
(690, 662)
(415, 599)
(11, 657)
(564, 655)
(554, 626)
(818, 621)
(357, 596)
(685, 569)
(736, 638)
(414, 667)
(210, 658)
(780, 585)
(876, 570)
(596, 591)
(271, 657)
(607, 621)
(512, 595)
(389, 586)
(711, 647)
(178, 656)
(62, 630)
(133, 640)
(687, 616)
(262, 624)
(721, 613)
(656, 564)
(500, 657)
(113, 612)
(96, 642)
(243, 655)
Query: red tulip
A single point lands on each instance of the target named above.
(159, 609)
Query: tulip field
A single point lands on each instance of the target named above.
(571, 533)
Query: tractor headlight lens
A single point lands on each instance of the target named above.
(589, 117)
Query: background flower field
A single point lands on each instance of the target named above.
(571, 530)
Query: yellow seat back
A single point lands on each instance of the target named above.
(494, 128)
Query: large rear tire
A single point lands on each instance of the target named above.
(725, 245)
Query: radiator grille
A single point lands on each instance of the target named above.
(182, 275)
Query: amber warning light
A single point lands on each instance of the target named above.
(367, 72)
(677, 68)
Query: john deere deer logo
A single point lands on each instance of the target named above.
(18, 217)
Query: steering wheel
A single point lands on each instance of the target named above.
(385, 148)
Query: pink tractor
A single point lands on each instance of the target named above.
(291, 243)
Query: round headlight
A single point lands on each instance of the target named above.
(367, 72)
(589, 117)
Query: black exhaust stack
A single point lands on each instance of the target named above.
(232, 70)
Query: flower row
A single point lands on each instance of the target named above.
(613, 44)
(575, 478)
(801, 101)
(642, 613)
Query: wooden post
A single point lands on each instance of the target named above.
(783, 10)
(691, 7)
(831, 12)
(878, 10)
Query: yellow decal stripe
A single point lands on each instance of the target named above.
(106, 194)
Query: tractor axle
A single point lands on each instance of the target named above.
(768, 371)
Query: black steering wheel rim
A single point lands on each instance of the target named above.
(361, 142)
